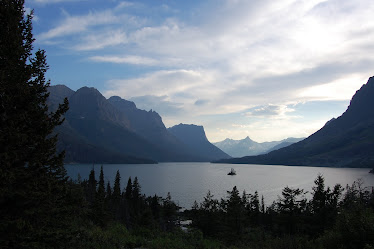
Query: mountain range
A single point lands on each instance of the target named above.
(347, 141)
(248, 147)
(114, 130)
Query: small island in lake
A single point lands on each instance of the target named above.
(232, 172)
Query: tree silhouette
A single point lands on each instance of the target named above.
(32, 175)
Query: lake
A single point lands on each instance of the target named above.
(188, 182)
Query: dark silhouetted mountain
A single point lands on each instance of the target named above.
(88, 103)
(347, 141)
(97, 130)
(248, 147)
(149, 125)
(194, 137)
(57, 94)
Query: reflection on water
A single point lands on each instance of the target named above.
(188, 182)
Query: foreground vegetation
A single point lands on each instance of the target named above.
(41, 208)
(332, 218)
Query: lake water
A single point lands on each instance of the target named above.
(188, 182)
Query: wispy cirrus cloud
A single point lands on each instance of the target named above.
(136, 60)
(76, 24)
(90, 29)
(107, 38)
(56, 1)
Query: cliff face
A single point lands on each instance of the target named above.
(194, 137)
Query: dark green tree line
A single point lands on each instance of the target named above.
(129, 207)
(330, 219)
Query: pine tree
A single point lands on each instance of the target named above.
(263, 207)
(91, 187)
(128, 191)
(32, 175)
(117, 187)
(99, 203)
(108, 194)
(235, 212)
(254, 203)
(319, 199)
(116, 197)
(136, 189)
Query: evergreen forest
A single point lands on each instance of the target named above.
(40, 207)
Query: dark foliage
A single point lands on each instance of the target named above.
(33, 191)
(328, 220)
(128, 207)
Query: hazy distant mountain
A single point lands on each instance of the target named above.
(194, 137)
(347, 141)
(284, 143)
(100, 130)
(248, 147)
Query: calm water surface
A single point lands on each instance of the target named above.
(188, 182)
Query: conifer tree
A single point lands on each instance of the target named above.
(91, 187)
(108, 194)
(116, 197)
(99, 203)
(235, 211)
(254, 202)
(263, 207)
(136, 189)
(319, 199)
(117, 188)
(128, 191)
(32, 175)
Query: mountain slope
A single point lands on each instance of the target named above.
(284, 143)
(94, 130)
(347, 141)
(194, 137)
(149, 126)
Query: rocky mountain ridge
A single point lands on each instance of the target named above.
(114, 130)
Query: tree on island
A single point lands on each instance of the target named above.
(32, 174)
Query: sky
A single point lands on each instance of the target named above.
(264, 69)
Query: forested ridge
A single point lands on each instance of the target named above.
(40, 207)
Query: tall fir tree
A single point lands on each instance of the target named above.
(235, 212)
(99, 203)
(116, 197)
(91, 187)
(128, 190)
(136, 189)
(108, 194)
(32, 175)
